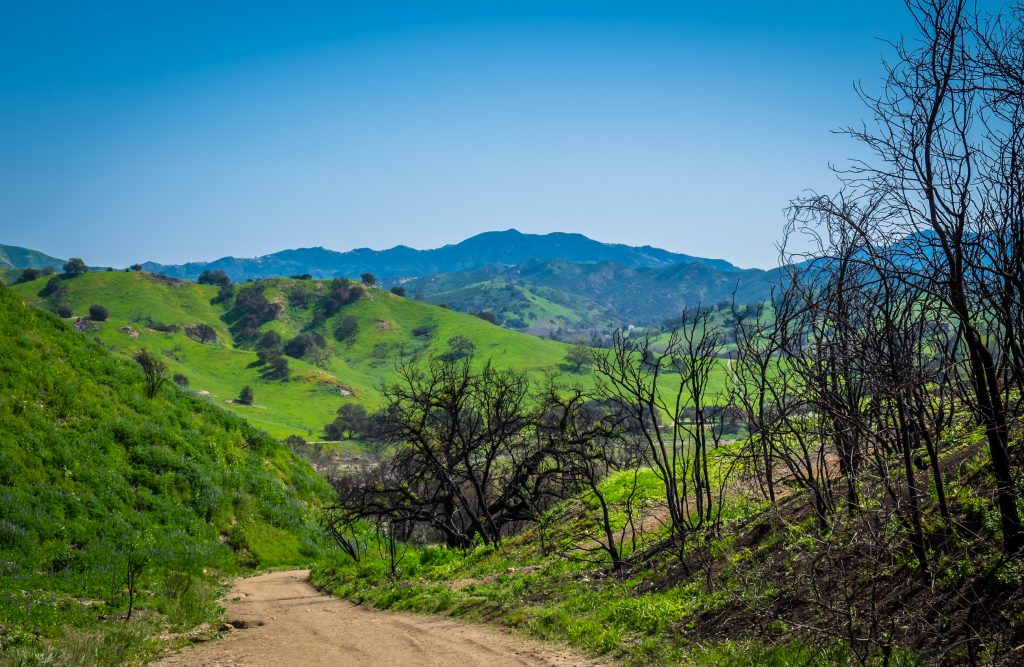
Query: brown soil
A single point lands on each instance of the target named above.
(280, 619)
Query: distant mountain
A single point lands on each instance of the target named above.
(544, 296)
(15, 257)
(507, 248)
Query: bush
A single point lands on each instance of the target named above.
(245, 396)
(98, 313)
(368, 279)
(27, 276)
(486, 316)
(398, 291)
(75, 266)
(63, 309)
(459, 347)
(346, 327)
(305, 344)
(180, 380)
(277, 368)
(216, 277)
(53, 289)
(420, 331)
(270, 339)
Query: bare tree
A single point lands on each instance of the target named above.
(154, 371)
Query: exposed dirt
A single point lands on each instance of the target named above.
(280, 619)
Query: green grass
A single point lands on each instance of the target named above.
(94, 473)
(301, 406)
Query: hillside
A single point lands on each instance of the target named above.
(114, 501)
(509, 247)
(15, 257)
(152, 313)
(598, 296)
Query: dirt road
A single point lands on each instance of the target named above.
(285, 621)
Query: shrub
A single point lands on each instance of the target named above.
(277, 368)
(180, 380)
(215, 277)
(346, 328)
(420, 331)
(28, 275)
(305, 344)
(398, 291)
(154, 371)
(486, 316)
(368, 279)
(75, 266)
(63, 309)
(245, 396)
(98, 313)
(53, 289)
(459, 347)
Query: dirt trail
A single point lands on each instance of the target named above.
(288, 622)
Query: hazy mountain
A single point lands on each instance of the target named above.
(15, 257)
(508, 248)
(535, 295)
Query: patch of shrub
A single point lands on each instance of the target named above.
(98, 313)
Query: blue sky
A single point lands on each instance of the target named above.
(187, 131)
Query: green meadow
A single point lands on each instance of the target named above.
(386, 327)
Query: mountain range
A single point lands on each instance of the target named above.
(510, 247)
(559, 285)
(16, 257)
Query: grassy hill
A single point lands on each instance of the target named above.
(100, 481)
(595, 297)
(141, 304)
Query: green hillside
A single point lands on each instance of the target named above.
(385, 326)
(97, 478)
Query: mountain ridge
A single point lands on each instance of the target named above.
(509, 247)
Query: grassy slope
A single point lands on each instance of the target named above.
(550, 584)
(92, 471)
(303, 405)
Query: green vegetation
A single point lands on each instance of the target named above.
(114, 503)
(355, 342)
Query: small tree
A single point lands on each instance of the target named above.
(277, 368)
(351, 421)
(98, 313)
(245, 396)
(486, 316)
(180, 380)
(153, 369)
(398, 290)
(136, 267)
(578, 356)
(459, 347)
(27, 275)
(75, 266)
(215, 277)
(346, 327)
(368, 279)
(136, 559)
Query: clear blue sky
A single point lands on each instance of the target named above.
(179, 131)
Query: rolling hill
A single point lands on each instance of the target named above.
(99, 480)
(508, 247)
(158, 314)
(544, 296)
